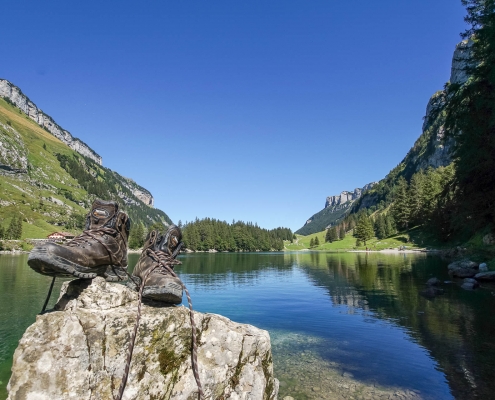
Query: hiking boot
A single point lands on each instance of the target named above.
(155, 267)
(100, 250)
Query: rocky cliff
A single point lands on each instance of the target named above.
(14, 95)
(336, 208)
(50, 184)
(432, 148)
(78, 351)
(346, 196)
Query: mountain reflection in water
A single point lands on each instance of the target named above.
(339, 322)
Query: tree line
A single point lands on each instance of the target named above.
(14, 230)
(208, 233)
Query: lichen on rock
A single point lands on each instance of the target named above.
(78, 351)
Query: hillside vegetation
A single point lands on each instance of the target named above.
(51, 186)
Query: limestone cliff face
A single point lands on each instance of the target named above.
(15, 95)
(346, 196)
(336, 207)
(138, 191)
(78, 351)
(13, 151)
(461, 60)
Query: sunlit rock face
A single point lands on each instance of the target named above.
(78, 351)
(15, 95)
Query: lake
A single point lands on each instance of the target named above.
(342, 325)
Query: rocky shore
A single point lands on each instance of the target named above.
(78, 350)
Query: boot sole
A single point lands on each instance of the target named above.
(171, 293)
(40, 261)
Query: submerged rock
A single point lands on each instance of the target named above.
(463, 269)
(78, 351)
(470, 284)
(486, 276)
(433, 282)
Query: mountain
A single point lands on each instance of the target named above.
(336, 208)
(50, 178)
(432, 149)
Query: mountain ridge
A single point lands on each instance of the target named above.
(51, 186)
(336, 208)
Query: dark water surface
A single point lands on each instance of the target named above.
(341, 325)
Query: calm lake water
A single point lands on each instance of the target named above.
(342, 325)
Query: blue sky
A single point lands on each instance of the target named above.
(246, 110)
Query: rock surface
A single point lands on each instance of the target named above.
(346, 196)
(485, 276)
(78, 351)
(15, 95)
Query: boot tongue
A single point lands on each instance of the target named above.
(102, 214)
(169, 241)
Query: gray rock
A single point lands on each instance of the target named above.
(433, 282)
(463, 272)
(489, 239)
(78, 351)
(485, 276)
(483, 267)
(14, 94)
(469, 286)
(465, 264)
(431, 292)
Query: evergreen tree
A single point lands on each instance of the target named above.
(415, 197)
(380, 228)
(2, 232)
(364, 228)
(342, 232)
(136, 236)
(14, 230)
(317, 241)
(312, 243)
(390, 228)
(327, 236)
(19, 227)
(470, 119)
(401, 207)
(158, 226)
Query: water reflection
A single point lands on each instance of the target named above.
(456, 329)
(348, 324)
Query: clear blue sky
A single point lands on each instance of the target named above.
(247, 110)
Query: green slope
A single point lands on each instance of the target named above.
(49, 198)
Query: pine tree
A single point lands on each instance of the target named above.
(342, 232)
(317, 241)
(19, 227)
(415, 197)
(327, 236)
(380, 228)
(364, 228)
(2, 232)
(13, 229)
(470, 120)
(312, 243)
(401, 207)
(390, 228)
(136, 236)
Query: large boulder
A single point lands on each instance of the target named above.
(463, 268)
(485, 276)
(78, 351)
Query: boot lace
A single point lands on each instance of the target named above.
(98, 234)
(163, 264)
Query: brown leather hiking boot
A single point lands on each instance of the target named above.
(100, 250)
(155, 267)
